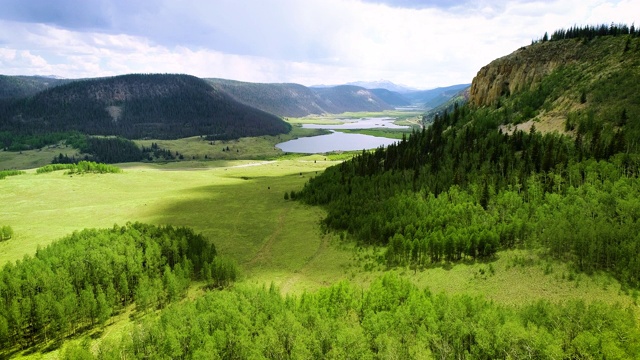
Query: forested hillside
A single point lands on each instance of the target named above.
(15, 87)
(391, 97)
(464, 189)
(392, 319)
(434, 97)
(82, 280)
(290, 100)
(137, 106)
(293, 100)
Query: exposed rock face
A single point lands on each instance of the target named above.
(521, 70)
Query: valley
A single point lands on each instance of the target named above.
(503, 223)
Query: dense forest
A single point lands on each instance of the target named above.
(133, 106)
(79, 281)
(392, 319)
(466, 187)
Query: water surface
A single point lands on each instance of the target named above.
(336, 141)
(364, 123)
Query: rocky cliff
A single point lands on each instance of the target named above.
(522, 70)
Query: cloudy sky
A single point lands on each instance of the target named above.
(420, 43)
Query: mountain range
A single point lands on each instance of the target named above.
(158, 106)
(166, 106)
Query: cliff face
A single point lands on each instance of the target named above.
(521, 70)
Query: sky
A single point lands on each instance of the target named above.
(421, 44)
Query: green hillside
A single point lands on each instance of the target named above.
(290, 100)
(391, 97)
(15, 87)
(138, 106)
(293, 100)
(434, 97)
(463, 188)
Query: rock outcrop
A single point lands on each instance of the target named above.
(521, 70)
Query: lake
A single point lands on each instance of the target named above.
(364, 123)
(336, 141)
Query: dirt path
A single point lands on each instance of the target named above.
(265, 250)
(295, 277)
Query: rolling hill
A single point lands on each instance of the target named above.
(138, 106)
(294, 100)
(15, 87)
(474, 182)
(432, 98)
(342, 98)
(291, 100)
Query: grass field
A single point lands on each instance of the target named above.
(30, 159)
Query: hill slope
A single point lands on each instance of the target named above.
(291, 100)
(15, 87)
(342, 98)
(573, 84)
(391, 97)
(294, 100)
(139, 106)
(434, 97)
(463, 189)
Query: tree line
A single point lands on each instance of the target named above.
(590, 32)
(83, 279)
(391, 319)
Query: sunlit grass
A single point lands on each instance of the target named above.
(29, 159)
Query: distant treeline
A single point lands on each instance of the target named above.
(83, 279)
(590, 32)
(392, 319)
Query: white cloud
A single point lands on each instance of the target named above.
(310, 42)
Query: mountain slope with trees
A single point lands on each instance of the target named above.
(15, 87)
(434, 97)
(137, 106)
(293, 100)
(290, 100)
(464, 189)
